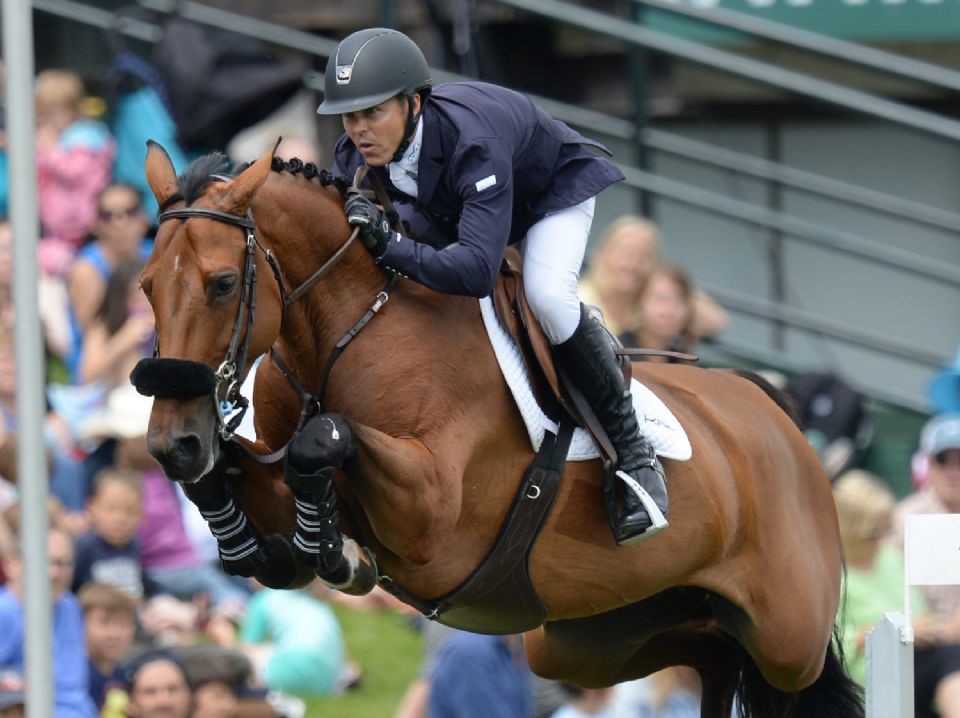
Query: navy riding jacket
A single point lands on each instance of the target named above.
(492, 164)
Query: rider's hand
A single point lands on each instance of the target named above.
(374, 227)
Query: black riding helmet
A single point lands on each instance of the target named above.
(371, 66)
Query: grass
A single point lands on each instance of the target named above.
(390, 652)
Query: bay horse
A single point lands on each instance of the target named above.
(425, 448)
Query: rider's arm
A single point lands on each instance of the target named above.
(484, 184)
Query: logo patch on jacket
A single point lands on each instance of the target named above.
(486, 183)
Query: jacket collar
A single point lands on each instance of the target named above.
(431, 155)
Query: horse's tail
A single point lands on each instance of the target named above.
(833, 695)
(778, 397)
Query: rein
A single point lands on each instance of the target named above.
(183, 379)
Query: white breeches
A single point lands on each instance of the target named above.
(552, 256)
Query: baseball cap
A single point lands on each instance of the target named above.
(941, 433)
(11, 690)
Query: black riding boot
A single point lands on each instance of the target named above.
(638, 500)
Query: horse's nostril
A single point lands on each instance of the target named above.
(182, 457)
(184, 449)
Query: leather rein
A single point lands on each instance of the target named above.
(230, 404)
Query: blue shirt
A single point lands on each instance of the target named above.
(477, 676)
(70, 666)
(100, 683)
(93, 253)
(97, 560)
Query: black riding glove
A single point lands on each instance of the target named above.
(374, 228)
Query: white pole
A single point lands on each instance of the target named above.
(32, 470)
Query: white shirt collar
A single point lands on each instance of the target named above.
(411, 158)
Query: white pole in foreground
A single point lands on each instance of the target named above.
(31, 467)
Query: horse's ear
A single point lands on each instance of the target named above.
(239, 193)
(161, 176)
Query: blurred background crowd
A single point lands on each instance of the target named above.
(146, 623)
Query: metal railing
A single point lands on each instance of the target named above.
(848, 52)
(731, 63)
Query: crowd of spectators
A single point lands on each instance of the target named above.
(145, 621)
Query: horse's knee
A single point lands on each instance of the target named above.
(278, 567)
(322, 446)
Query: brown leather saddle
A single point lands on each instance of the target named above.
(550, 387)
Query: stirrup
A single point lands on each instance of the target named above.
(658, 522)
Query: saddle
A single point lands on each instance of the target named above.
(553, 391)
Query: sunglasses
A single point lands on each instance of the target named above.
(109, 215)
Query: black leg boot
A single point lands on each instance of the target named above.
(637, 493)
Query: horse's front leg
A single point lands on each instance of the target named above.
(313, 456)
(243, 549)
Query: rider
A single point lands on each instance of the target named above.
(473, 167)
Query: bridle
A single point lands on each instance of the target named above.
(164, 378)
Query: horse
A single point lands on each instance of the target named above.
(423, 449)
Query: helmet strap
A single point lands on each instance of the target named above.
(408, 132)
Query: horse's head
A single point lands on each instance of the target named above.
(202, 281)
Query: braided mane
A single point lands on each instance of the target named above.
(206, 170)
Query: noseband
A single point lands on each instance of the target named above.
(184, 379)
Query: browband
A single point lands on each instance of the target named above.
(188, 212)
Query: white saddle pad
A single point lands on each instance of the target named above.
(657, 422)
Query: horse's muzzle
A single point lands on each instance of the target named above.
(173, 378)
(184, 457)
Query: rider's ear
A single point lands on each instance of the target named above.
(161, 176)
(238, 195)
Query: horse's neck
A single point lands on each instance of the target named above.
(308, 231)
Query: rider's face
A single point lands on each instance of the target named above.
(378, 131)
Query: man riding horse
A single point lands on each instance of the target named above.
(473, 167)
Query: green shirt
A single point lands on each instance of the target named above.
(870, 593)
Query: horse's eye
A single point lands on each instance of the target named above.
(224, 285)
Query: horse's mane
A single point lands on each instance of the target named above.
(216, 166)
(201, 173)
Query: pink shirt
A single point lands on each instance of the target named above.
(163, 538)
(70, 175)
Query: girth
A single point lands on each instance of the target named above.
(499, 597)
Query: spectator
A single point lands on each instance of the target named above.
(120, 236)
(221, 680)
(110, 623)
(70, 668)
(52, 299)
(940, 447)
(665, 318)
(12, 695)
(585, 703)
(944, 391)
(874, 586)
(121, 332)
(671, 693)
(108, 552)
(294, 641)
(496, 684)
(214, 698)
(629, 251)
(66, 471)
(169, 560)
(157, 686)
(74, 159)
